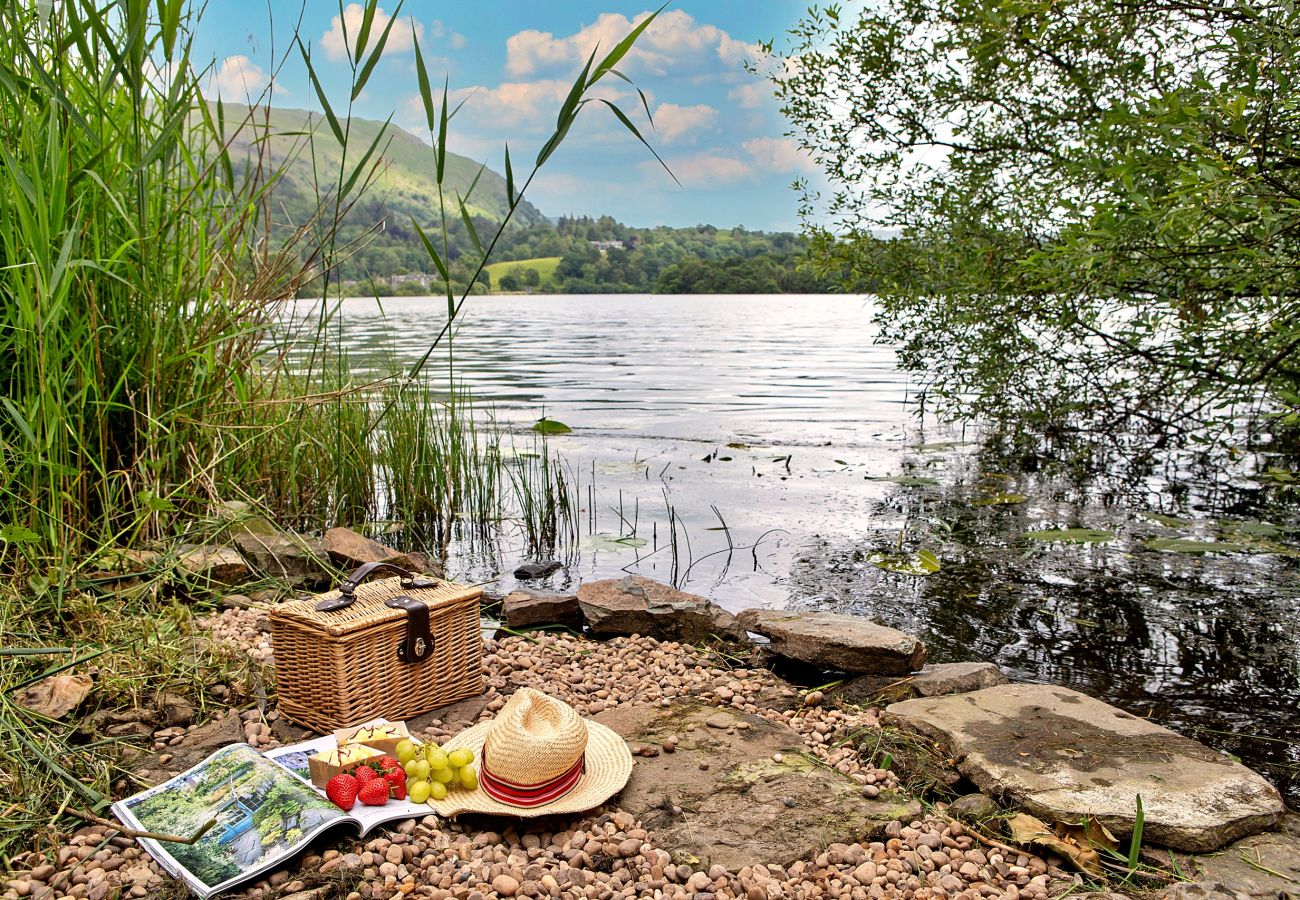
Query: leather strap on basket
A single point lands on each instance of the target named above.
(347, 590)
(418, 643)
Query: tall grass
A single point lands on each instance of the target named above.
(142, 380)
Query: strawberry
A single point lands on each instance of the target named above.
(388, 764)
(365, 774)
(342, 791)
(397, 781)
(374, 792)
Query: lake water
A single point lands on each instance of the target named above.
(787, 446)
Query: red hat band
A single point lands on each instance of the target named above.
(529, 795)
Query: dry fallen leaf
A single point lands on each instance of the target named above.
(1025, 829)
(57, 696)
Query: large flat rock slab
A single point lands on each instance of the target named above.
(1062, 755)
(843, 643)
(737, 805)
(636, 605)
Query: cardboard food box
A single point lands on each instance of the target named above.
(328, 763)
(382, 736)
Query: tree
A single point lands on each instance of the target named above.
(1097, 201)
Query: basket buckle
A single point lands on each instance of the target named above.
(418, 643)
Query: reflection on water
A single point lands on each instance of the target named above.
(779, 418)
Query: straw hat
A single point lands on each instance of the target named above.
(538, 758)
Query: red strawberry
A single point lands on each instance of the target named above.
(374, 792)
(397, 780)
(342, 791)
(365, 774)
(388, 764)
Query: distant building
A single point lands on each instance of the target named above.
(602, 246)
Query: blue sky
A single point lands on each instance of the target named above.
(716, 125)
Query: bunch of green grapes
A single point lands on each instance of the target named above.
(432, 771)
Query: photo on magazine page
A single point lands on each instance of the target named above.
(261, 816)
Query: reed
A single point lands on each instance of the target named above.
(146, 376)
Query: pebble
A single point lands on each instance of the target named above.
(448, 861)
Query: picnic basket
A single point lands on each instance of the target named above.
(392, 648)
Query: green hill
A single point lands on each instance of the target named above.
(405, 187)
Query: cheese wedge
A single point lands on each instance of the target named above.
(328, 763)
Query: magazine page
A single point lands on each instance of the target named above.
(262, 817)
(294, 758)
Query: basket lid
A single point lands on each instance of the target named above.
(369, 610)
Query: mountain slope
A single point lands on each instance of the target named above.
(406, 186)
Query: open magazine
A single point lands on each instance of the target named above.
(266, 810)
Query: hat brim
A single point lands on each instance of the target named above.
(608, 767)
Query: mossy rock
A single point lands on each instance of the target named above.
(739, 805)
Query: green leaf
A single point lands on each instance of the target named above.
(906, 480)
(18, 534)
(622, 47)
(320, 95)
(153, 502)
(367, 22)
(373, 61)
(611, 542)
(510, 179)
(1070, 535)
(469, 225)
(426, 90)
(550, 426)
(1167, 521)
(1188, 545)
(442, 132)
(433, 254)
(918, 565)
(627, 123)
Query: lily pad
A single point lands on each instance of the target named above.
(1256, 529)
(1167, 521)
(1001, 498)
(612, 542)
(939, 446)
(551, 426)
(1071, 535)
(1189, 545)
(919, 564)
(906, 480)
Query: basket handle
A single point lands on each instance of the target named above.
(347, 590)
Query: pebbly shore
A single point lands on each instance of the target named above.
(603, 854)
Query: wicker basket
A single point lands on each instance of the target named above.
(394, 648)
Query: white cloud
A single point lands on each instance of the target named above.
(779, 155)
(457, 41)
(400, 40)
(236, 78)
(750, 96)
(674, 43)
(518, 106)
(702, 170)
(682, 124)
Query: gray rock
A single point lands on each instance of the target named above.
(933, 680)
(1201, 890)
(526, 608)
(974, 808)
(210, 564)
(536, 569)
(236, 601)
(745, 808)
(843, 643)
(1062, 755)
(636, 605)
(291, 558)
(1263, 865)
